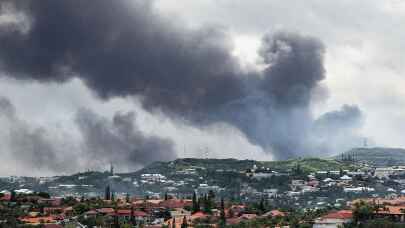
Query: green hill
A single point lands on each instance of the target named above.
(378, 156)
(306, 164)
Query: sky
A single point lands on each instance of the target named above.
(132, 82)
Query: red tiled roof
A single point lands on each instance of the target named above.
(343, 214)
(198, 214)
(175, 203)
(126, 212)
(123, 212)
(106, 210)
(6, 197)
(140, 214)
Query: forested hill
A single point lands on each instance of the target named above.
(307, 164)
(377, 156)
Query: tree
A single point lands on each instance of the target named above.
(195, 206)
(44, 195)
(211, 195)
(209, 201)
(222, 218)
(166, 196)
(80, 208)
(112, 196)
(107, 195)
(184, 224)
(116, 221)
(132, 219)
(13, 196)
(262, 207)
(127, 198)
(174, 223)
(363, 211)
(207, 204)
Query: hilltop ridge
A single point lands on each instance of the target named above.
(376, 156)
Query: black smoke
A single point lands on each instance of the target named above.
(124, 48)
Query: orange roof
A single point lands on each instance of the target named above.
(392, 210)
(37, 220)
(342, 214)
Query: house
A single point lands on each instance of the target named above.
(276, 213)
(180, 213)
(334, 219)
(125, 214)
(358, 189)
(106, 211)
(270, 193)
(175, 203)
(395, 213)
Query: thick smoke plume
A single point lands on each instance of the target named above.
(124, 48)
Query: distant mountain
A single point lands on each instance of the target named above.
(377, 156)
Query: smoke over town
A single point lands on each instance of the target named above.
(127, 49)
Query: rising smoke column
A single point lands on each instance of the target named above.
(124, 48)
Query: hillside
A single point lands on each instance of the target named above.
(306, 164)
(181, 175)
(378, 156)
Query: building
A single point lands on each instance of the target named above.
(334, 219)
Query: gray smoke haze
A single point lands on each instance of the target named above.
(120, 141)
(32, 147)
(103, 141)
(124, 48)
(337, 130)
